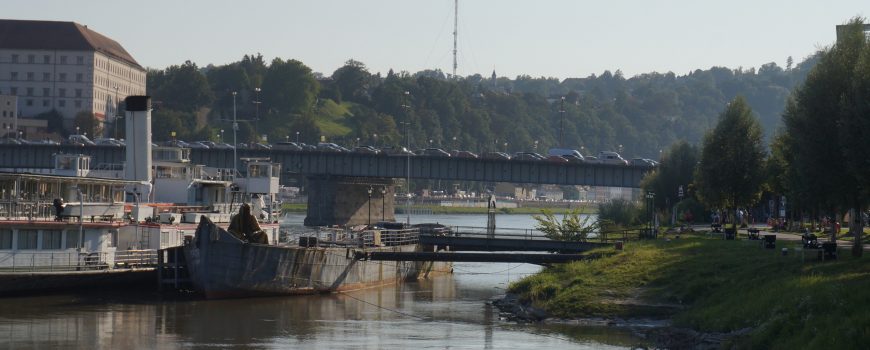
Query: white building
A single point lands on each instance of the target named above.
(66, 67)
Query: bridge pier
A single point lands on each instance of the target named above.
(334, 200)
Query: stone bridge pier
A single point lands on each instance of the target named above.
(334, 200)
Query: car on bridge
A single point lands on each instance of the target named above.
(464, 154)
(642, 162)
(496, 155)
(531, 156)
(331, 147)
(290, 146)
(396, 151)
(609, 157)
(366, 150)
(433, 152)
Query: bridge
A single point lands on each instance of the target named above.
(339, 183)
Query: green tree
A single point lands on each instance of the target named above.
(88, 124)
(183, 88)
(54, 120)
(730, 173)
(307, 127)
(352, 81)
(677, 169)
(289, 87)
(827, 122)
(573, 226)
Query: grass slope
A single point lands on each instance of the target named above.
(718, 286)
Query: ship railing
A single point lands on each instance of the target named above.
(390, 237)
(43, 210)
(61, 261)
(507, 233)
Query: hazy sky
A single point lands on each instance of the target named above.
(555, 38)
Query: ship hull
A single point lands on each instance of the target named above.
(222, 266)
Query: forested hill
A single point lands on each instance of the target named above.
(640, 115)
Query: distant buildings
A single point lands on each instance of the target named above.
(66, 67)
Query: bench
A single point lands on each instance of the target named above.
(752, 232)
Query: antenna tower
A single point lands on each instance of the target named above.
(455, 32)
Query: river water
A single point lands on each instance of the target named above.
(443, 312)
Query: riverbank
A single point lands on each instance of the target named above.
(438, 210)
(749, 296)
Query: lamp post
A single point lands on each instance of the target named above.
(536, 146)
(650, 196)
(370, 205)
(77, 131)
(455, 145)
(505, 147)
(235, 139)
(562, 123)
(384, 203)
(257, 109)
(222, 135)
(297, 137)
(407, 123)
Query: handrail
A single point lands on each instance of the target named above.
(16, 261)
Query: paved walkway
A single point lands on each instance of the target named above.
(784, 236)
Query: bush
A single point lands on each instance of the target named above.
(618, 212)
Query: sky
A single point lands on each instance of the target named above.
(550, 38)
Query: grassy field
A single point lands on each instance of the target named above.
(713, 285)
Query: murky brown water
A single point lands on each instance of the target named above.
(440, 313)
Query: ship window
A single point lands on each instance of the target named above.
(27, 239)
(51, 239)
(5, 239)
(72, 239)
(64, 163)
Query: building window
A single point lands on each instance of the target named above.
(30, 91)
(46, 91)
(14, 58)
(46, 59)
(13, 76)
(62, 77)
(78, 92)
(79, 77)
(51, 239)
(62, 59)
(13, 91)
(46, 76)
(78, 103)
(29, 102)
(45, 103)
(5, 239)
(61, 92)
(31, 59)
(27, 239)
(29, 76)
(80, 60)
(61, 103)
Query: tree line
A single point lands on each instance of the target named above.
(285, 100)
(819, 159)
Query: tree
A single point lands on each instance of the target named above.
(677, 169)
(351, 81)
(54, 120)
(289, 87)
(88, 124)
(730, 173)
(183, 88)
(571, 228)
(827, 122)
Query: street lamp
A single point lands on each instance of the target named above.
(235, 138)
(650, 197)
(370, 205)
(562, 124)
(505, 147)
(257, 109)
(455, 145)
(222, 135)
(536, 145)
(77, 131)
(297, 137)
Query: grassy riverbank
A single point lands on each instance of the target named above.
(713, 285)
(435, 209)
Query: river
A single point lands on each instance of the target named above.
(442, 312)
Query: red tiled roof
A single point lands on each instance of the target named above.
(52, 35)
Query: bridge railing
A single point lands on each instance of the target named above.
(506, 233)
(25, 261)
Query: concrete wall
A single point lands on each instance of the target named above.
(346, 201)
